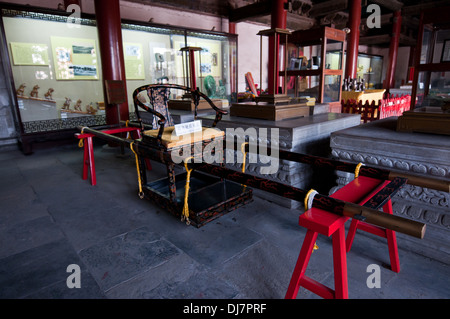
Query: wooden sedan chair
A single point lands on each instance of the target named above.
(195, 197)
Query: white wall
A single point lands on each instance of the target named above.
(249, 46)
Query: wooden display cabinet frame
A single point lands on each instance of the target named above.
(319, 36)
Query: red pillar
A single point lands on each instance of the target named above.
(232, 27)
(278, 20)
(393, 51)
(410, 74)
(233, 75)
(193, 82)
(354, 21)
(111, 50)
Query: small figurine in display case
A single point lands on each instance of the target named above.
(90, 109)
(49, 93)
(77, 105)
(66, 105)
(21, 90)
(35, 93)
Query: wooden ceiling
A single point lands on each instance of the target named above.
(306, 14)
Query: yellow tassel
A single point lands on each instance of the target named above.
(185, 213)
(358, 167)
(128, 133)
(244, 159)
(141, 193)
(244, 153)
(81, 142)
(306, 208)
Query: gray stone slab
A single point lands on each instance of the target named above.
(259, 272)
(212, 244)
(88, 289)
(15, 209)
(30, 271)
(203, 285)
(86, 228)
(174, 271)
(124, 257)
(15, 238)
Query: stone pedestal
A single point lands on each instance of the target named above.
(380, 144)
(310, 135)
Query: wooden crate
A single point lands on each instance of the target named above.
(188, 104)
(271, 112)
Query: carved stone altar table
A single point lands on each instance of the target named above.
(379, 144)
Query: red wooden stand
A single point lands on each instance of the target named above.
(318, 221)
(88, 155)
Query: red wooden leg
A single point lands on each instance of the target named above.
(340, 264)
(85, 160)
(302, 263)
(351, 234)
(392, 241)
(91, 160)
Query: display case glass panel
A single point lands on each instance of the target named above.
(57, 73)
(56, 70)
(331, 88)
(151, 56)
(438, 91)
(370, 68)
(334, 53)
(308, 86)
(214, 67)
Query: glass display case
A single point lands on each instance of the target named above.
(431, 85)
(370, 68)
(311, 75)
(56, 68)
(430, 99)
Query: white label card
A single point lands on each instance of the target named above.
(188, 127)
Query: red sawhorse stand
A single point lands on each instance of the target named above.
(88, 154)
(318, 221)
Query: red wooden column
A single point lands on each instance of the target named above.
(393, 51)
(111, 50)
(354, 21)
(232, 27)
(278, 20)
(233, 75)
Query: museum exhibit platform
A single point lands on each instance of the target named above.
(379, 144)
(309, 135)
(428, 119)
(364, 96)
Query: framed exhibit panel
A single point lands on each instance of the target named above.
(55, 70)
